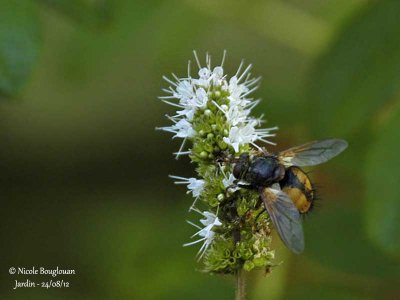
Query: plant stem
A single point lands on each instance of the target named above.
(240, 285)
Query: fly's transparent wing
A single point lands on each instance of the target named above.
(313, 153)
(285, 217)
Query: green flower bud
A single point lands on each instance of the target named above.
(203, 154)
(248, 265)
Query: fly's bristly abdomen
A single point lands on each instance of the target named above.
(297, 185)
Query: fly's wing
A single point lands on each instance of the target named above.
(285, 217)
(313, 153)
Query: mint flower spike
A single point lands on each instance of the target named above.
(213, 120)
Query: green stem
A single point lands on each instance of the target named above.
(240, 285)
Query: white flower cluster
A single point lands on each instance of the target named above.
(195, 187)
(191, 94)
(206, 233)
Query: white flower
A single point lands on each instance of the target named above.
(204, 73)
(248, 135)
(195, 186)
(236, 89)
(240, 136)
(206, 233)
(228, 181)
(190, 105)
(217, 75)
(201, 98)
(184, 91)
(188, 112)
(181, 128)
(234, 114)
(204, 77)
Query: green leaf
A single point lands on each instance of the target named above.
(336, 239)
(382, 178)
(19, 43)
(93, 14)
(359, 73)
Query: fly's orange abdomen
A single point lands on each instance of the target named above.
(299, 188)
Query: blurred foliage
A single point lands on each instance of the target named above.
(93, 14)
(360, 72)
(383, 195)
(19, 43)
(327, 292)
(344, 225)
(20, 34)
(84, 173)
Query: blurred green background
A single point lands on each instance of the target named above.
(84, 174)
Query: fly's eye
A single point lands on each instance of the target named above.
(239, 170)
(241, 166)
